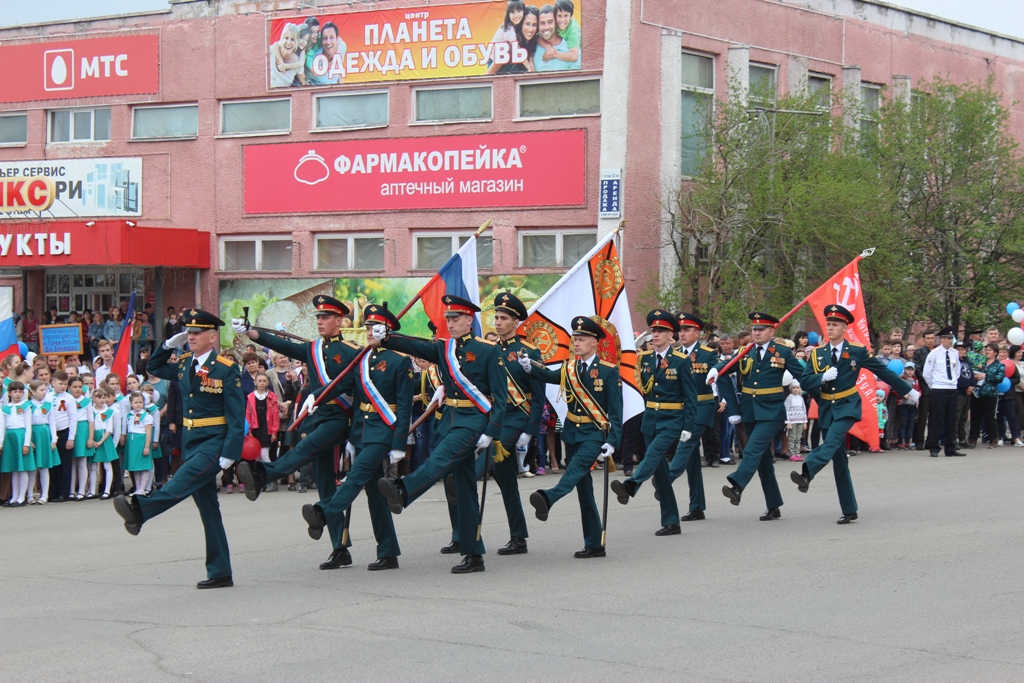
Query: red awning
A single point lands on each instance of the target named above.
(101, 243)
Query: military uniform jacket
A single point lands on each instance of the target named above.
(670, 382)
(479, 362)
(336, 355)
(840, 398)
(525, 390)
(703, 359)
(391, 374)
(604, 385)
(215, 391)
(762, 396)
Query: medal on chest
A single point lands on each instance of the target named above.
(511, 356)
(470, 357)
(382, 365)
(593, 373)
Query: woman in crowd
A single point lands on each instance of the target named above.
(112, 328)
(986, 396)
(95, 333)
(1008, 400)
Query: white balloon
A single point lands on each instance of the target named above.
(1018, 315)
(1015, 336)
(787, 378)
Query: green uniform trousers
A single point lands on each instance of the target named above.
(367, 468)
(833, 448)
(506, 476)
(655, 465)
(758, 456)
(580, 457)
(687, 460)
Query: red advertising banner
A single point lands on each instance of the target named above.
(530, 169)
(91, 67)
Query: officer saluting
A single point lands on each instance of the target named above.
(831, 377)
(593, 392)
(327, 426)
(665, 378)
(380, 426)
(212, 399)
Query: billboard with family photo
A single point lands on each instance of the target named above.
(441, 41)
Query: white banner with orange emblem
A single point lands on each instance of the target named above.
(593, 287)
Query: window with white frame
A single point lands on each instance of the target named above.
(432, 250)
(870, 102)
(819, 89)
(544, 99)
(13, 129)
(698, 98)
(763, 85)
(554, 249)
(351, 110)
(452, 104)
(79, 125)
(349, 252)
(256, 253)
(256, 116)
(165, 123)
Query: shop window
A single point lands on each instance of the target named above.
(819, 89)
(435, 105)
(698, 97)
(560, 98)
(256, 254)
(431, 251)
(79, 125)
(870, 101)
(165, 123)
(13, 129)
(763, 85)
(338, 252)
(356, 110)
(542, 249)
(255, 117)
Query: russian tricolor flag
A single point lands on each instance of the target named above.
(124, 346)
(457, 277)
(8, 336)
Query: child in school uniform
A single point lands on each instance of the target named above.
(80, 441)
(155, 452)
(106, 431)
(261, 411)
(44, 440)
(137, 456)
(117, 401)
(16, 457)
(63, 482)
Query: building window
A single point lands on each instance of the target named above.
(165, 123)
(560, 98)
(870, 101)
(452, 104)
(431, 251)
(13, 129)
(763, 85)
(79, 125)
(819, 89)
(98, 290)
(698, 93)
(255, 117)
(542, 249)
(343, 252)
(255, 253)
(356, 110)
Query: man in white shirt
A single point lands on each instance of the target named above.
(106, 351)
(941, 372)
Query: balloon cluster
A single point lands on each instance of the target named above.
(1015, 335)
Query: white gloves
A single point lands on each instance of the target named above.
(523, 441)
(606, 452)
(309, 405)
(225, 463)
(684, 436)
(239, 326)
(735, 419)
(438, 396)
(526, 363)
(829, 375)
(379, 332)
(913, 397)
(712, 375)
(350, 450)
(483, 442)
(176, 341)
(396, 456)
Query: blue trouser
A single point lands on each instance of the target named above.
(197, 477)
(367, 468)
(579, 459)
(453, 453)
(758, 457)
(687, 460)
(655, 465)
(506, 476)
(833, 448)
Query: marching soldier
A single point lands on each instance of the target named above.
(762, 408)
(212, 398)
(593, 392)
(380, 426)
(324, 429)
(666, 380)
(476, 390)
(831, 377)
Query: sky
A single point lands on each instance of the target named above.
(1001, 16)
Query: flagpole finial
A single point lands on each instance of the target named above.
(867, 252)
(486, 224)
(621, 226)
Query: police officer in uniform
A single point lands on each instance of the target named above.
(665, 377)
(380, 426)
(593, 392)
(325, 428)
(831, 378)
(476, 392)
(214, 404)
(763, 409)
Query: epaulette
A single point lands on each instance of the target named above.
(351, 343)
(707, 348)
(184, 355)
(485, 341)
(679, 354)
(224, 360)
(609, 365)
(853, 343)
(645, 353)
(527, 344)
(403, 355)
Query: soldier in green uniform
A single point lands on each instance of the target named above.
(702, 359)
(831, 378)
(763, 409)
(665, 377)
(593, 392)
(214, 404)
(380, 426)
(476, 393)
(327, 427)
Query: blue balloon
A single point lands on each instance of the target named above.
(22, 349)
(1004, 385)
(812, 338)
(246, 427)
(896, 365)
(1011, 307)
